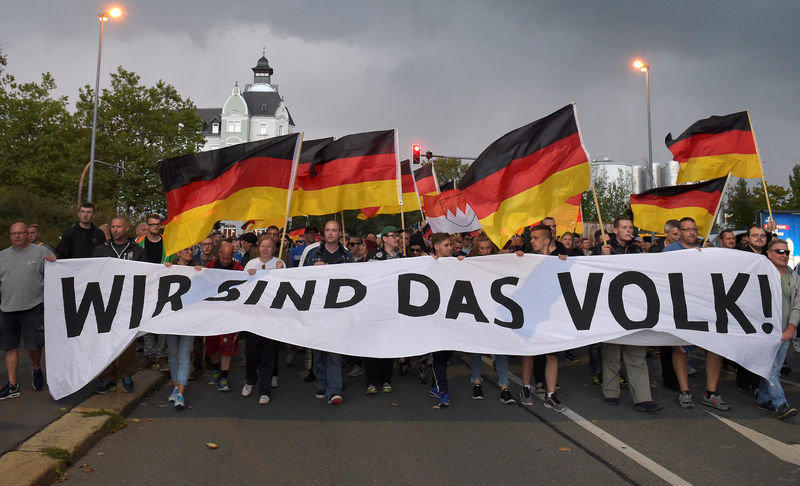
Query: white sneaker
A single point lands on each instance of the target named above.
(263, 399)
(247, 390)
(274, 382)
(357, 371)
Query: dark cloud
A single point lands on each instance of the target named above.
(452, 75)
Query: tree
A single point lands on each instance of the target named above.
(612, 195)
(741, 205)
(137, 126)
(449, 169)
(794, 188)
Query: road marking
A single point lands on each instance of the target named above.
(615, 443)
(784, 452)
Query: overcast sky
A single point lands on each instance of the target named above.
(453, 76)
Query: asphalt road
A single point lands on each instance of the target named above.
(398, 438)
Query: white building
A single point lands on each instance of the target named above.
(248, 115)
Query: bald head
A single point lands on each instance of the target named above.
(225, 254)
(19, 235)
(119, 230)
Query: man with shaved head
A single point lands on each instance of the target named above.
(221, 349)
(21, 310)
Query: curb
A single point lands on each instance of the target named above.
(70, 436)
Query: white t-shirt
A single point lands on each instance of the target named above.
(257, 264)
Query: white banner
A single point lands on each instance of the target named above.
(725, 301)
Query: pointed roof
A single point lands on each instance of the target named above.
(262, 65)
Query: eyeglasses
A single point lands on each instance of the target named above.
(689, 229)
(153, 224)
(758, 236)
(392, 235)
(353, 243)
(782, 252)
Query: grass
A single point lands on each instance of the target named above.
(117, 420)
(57, 453)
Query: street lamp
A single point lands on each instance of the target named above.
(103, 18)
(641, 66)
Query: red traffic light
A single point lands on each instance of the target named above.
(416, 148)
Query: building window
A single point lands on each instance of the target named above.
(281, 130)
(262, 129)
(264, 108)
(234, 126)
(215, 127)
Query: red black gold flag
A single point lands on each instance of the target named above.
(527, 173)
(410, 198)
(240, 182)
(568, 216)
(714, 147)
(353, 172)
(651, 209)
(426, 180)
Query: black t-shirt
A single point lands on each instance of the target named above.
(154, 250)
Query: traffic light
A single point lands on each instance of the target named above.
(416, 149)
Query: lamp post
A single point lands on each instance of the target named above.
(103, 17)
(641, 66)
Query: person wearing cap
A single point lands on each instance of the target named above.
(379, 370)
(246, 242)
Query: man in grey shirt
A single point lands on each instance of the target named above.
(21, 309)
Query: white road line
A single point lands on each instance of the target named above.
(784, 452)
(615, 443)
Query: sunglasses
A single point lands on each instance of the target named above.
(782, 252)
(353, 244)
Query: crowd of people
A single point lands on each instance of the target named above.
(613, 366)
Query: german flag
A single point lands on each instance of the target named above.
(241, 182)
(353, 172)
(526, 174)
(651, 209)
(425, 178)
(716, 146)
(410, 198)
(568, 216)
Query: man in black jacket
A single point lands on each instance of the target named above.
(120, 246)
(80, 240)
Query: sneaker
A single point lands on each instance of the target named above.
(571, 356)
(148, 363)
(38, 379)
(127, 384)
(685, 399)
(597, 379)
(263, 399)
(214, 380)
(274, 383)
(552, 402)
(173, 395)
(387, 388)
(223, 385)
(106, 386)
(356, 371)
(785, 411)
(335, 399)
(715, 401)
(506, 398)
(320, 394)
(477, 391)
(729, 368)
(525, 396)
(444, 400)
(180, 404)
(372, 390)
(768, 406)
(433, 392)
(163, 364)
(539, 388)
(647, 407)
(247, 390)
(10, 391)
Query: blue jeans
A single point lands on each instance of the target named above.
(328, 370)
(179, 353)
(771, 390)
(500, 363)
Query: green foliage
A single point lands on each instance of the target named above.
(57, 453)
(117, 422)
(137, 126)
(612, 195)
(744, 201)
(19, 204)
(449, 169)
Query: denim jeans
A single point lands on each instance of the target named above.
(771, 390)
(500, 363)
(328, 370)
(179, 352)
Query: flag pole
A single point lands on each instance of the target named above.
(588, 161)
(344, 233)
(599, 216)
(399, 179)
(298, 146)
(761, 164)
(719, 203)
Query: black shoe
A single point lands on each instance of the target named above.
(768, 406)
(785, 411)
(127, 384)
(647, 407)
(477, 391)
(9, 391)
(612, 401)
(106, 386)
(749, 389)
(506, 398)
(38, 379)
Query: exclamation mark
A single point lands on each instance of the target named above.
(766, 302)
